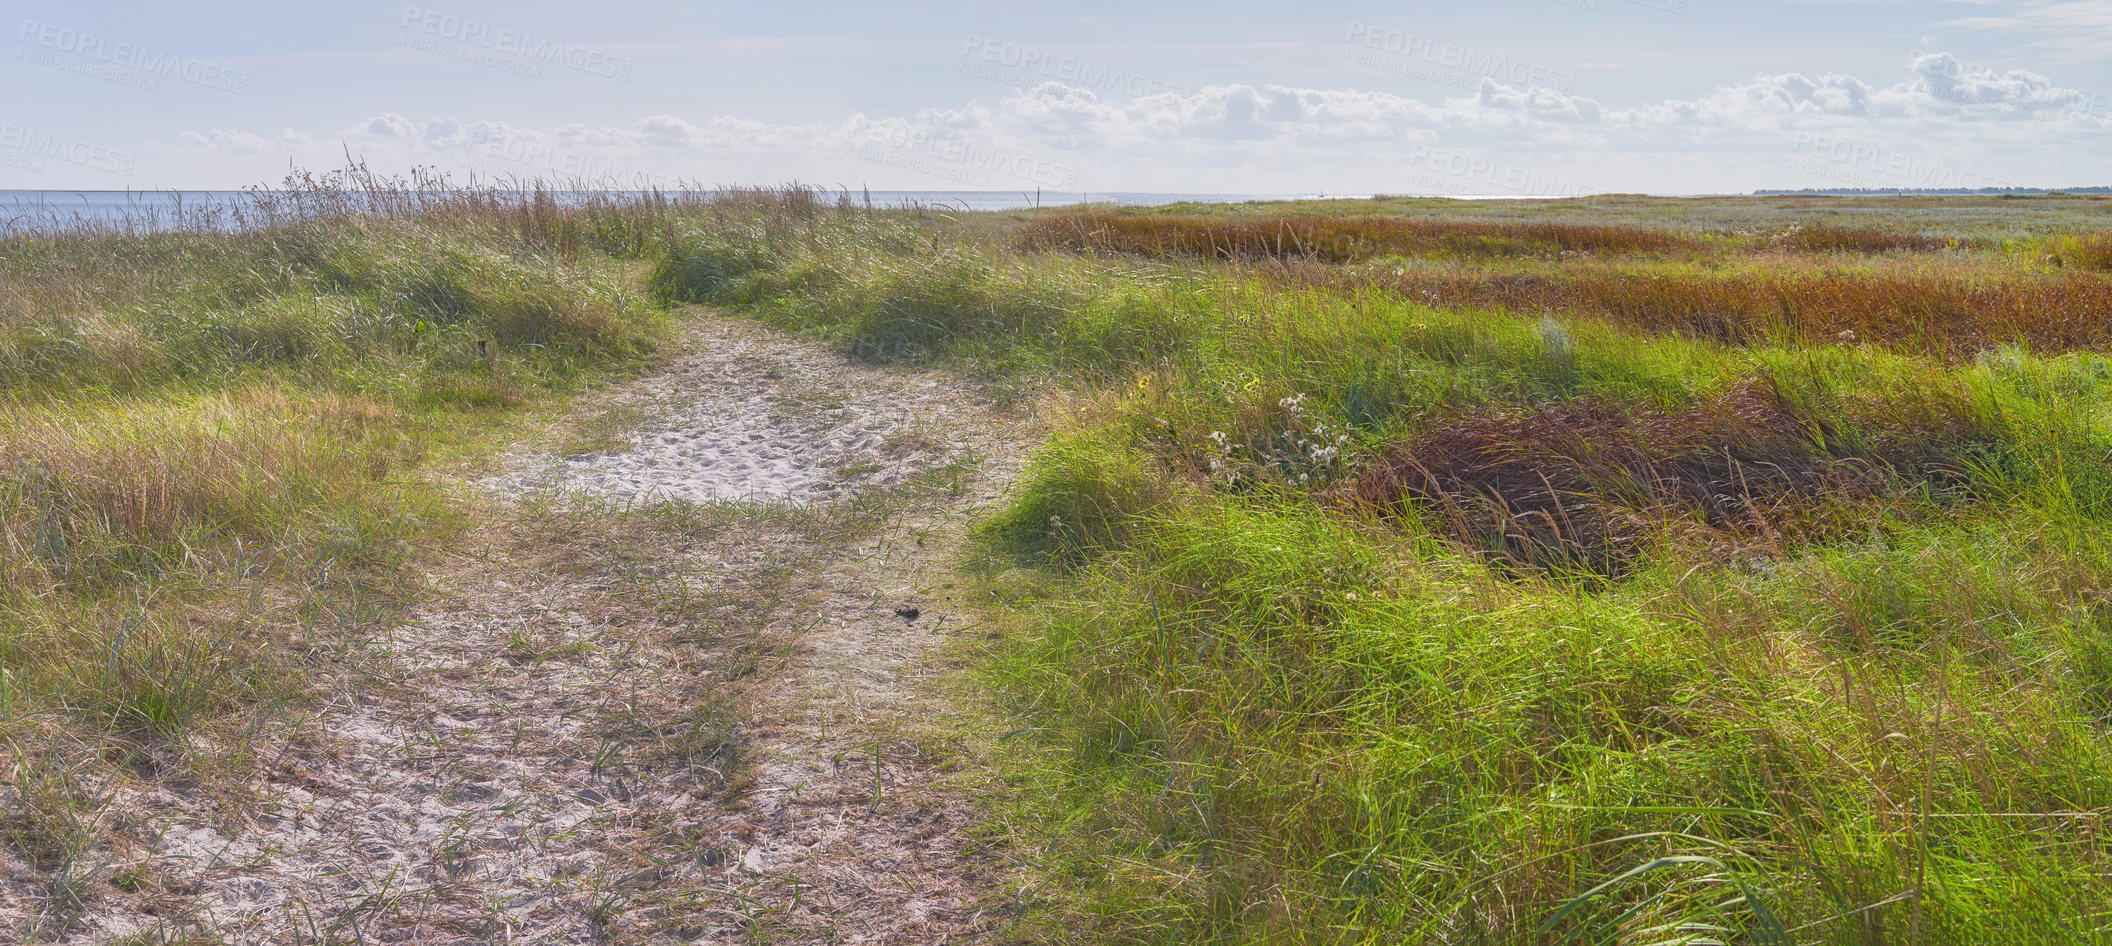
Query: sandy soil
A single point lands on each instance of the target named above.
(767, 433)
(623, 719)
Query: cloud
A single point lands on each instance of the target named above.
(667, 131)
(242, 142)
(443, 133)
(1538, 103)
(389, 125)
(1951, 80)
(1051, 132)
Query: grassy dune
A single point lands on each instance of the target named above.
(1593, 570)
(1617, 570)
(212, 434)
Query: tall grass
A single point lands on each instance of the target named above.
(1439, 579)
(108, 507)
(1938, 313)
(212, 433)
(1264, 725)
(1336, 239)
(1350, 612)
(2089, 251)
(1825, 238)
(398, 303)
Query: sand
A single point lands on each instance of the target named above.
(754, 423)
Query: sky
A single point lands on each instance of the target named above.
(1538, 97)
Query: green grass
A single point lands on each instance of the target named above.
(214, 445)
(1843, 681)
(1302, 639)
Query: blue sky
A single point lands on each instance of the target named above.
(1503, 96)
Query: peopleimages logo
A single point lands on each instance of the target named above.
(1037, 63)
(472, 55)
(56, 39)
(38, 144)
(1861, 164)
(1449, 172)
(510, 42)
(959, 160)
(1410, 47)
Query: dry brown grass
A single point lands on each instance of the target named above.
(1336, 239)
(1950, 316)
(1591, 486)
(1822, 238)
(234, 465)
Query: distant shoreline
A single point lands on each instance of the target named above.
(1926, 191)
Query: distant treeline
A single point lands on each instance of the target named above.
(1927, 191)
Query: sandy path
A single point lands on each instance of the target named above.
(682, 724)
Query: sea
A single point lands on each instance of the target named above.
(160, 209)
(150, 209)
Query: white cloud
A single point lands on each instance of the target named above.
(443, 133)
(666, 131)
(389, 125)
(1951, 80)
(1538, 103)
(1054, 132)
